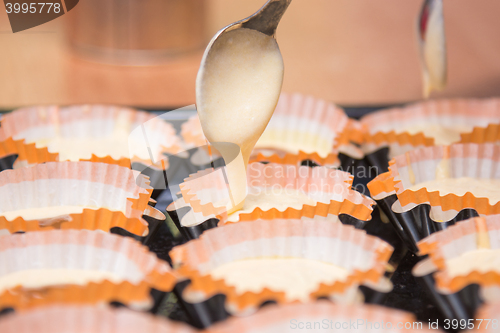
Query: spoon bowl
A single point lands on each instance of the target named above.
(265, 20)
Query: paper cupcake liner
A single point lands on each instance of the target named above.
(119, 195)
(348, 160)
(136, 269)
(416, 224)
(491, 133)
(192, 132)
(380, 126)
(326, 316)
(300, 119)
(467, 236)
(465, 160)
(364, 256)
(329, 189)
(22, 128)
(459, 296)
(461, 305)
(79, 319)
(416, 214)
(276, 156)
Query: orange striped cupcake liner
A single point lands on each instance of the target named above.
(96, 195)
(365, 257)
(206, 194)
(480, 233)
(192, 132)
(138, 136)
(133, 269)
(417, 213)
(305, 128)
(479, 119)
(79, 319)
(480, 161)
(324, 315)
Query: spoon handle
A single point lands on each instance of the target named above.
(267, 18)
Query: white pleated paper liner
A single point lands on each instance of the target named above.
(318, 193)
(192, 132)
(324, 316)
(305, 128)
(429, 123)
(458, 306)
(73, 195)
(465, 254)
(362, 258)
(78, 267)
(416, 214)
(456, 273)
(97, 133)
(88, 319)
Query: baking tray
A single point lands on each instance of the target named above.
(407, 294)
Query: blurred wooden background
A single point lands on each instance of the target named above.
(353, 52)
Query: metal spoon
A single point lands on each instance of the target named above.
(432, 45)
(265, 20)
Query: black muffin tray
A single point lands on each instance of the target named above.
(410, 294)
